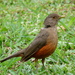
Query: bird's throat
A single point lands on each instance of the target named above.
(47, 26)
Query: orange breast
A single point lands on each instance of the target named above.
(45, 51)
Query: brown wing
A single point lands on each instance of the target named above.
(37, 44)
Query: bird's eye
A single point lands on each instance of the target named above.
(54, 17)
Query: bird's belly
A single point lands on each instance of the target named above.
(45, 51)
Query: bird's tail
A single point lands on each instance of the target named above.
(17, 54)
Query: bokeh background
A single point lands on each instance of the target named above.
(21, 21)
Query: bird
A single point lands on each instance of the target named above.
(44, 43)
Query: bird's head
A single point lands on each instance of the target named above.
(52, 20)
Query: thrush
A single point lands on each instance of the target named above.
(44, 43)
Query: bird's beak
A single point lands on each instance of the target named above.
(62, 16)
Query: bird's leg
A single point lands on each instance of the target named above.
(36, 63)
(43, 59)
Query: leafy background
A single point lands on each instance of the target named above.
(21, 20)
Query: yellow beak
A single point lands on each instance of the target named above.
(62, 16)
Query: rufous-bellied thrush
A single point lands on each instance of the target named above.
(44, 44)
